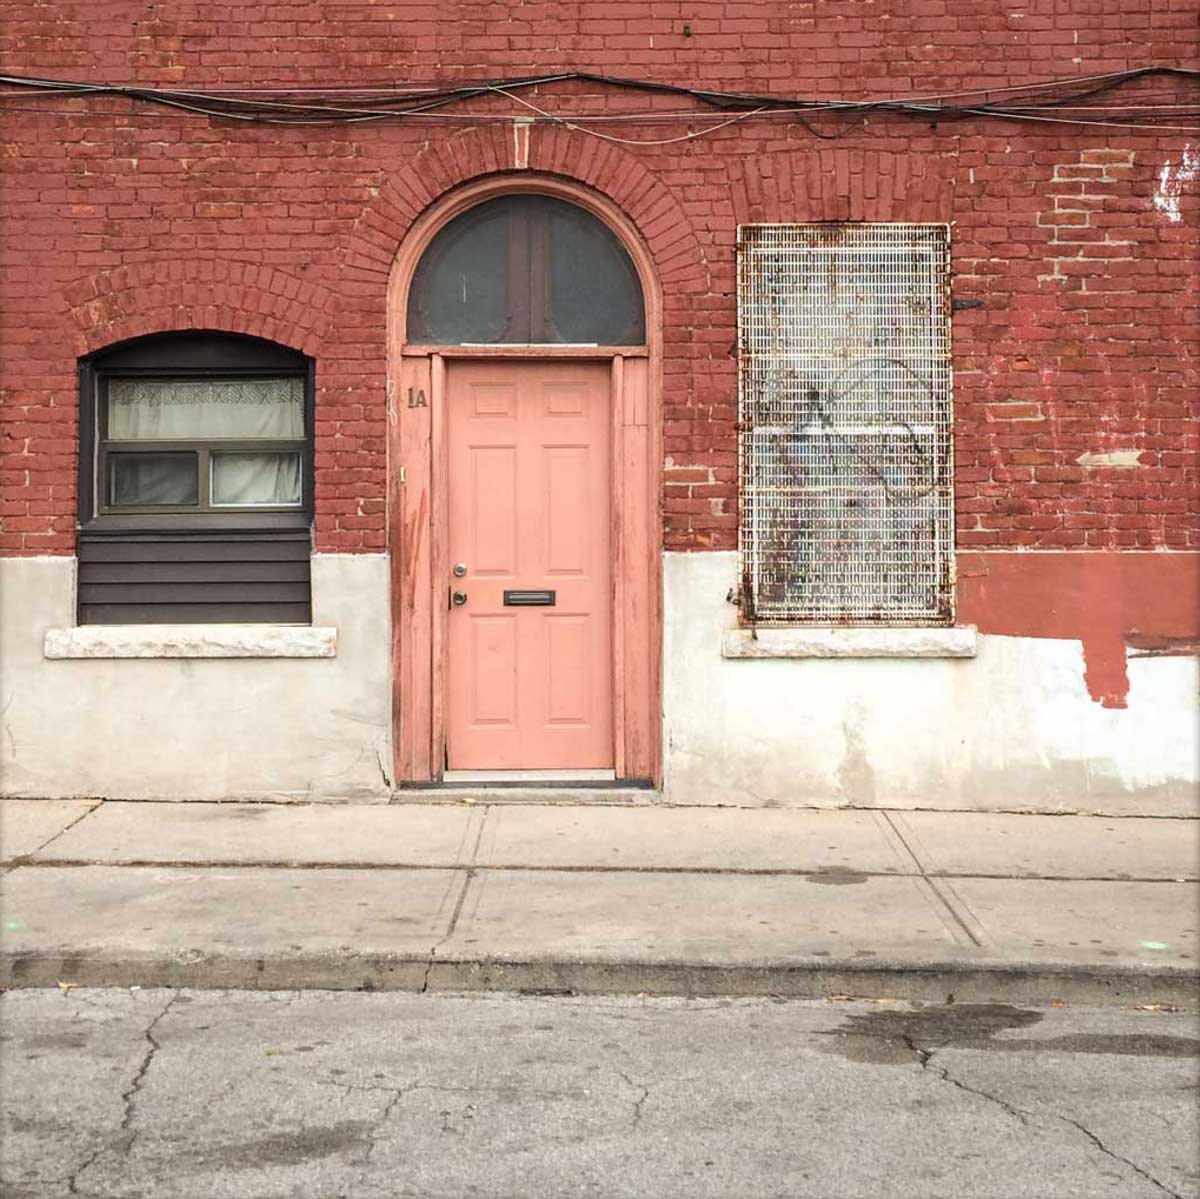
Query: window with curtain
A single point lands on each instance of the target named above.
(201, 444)
(195, 481)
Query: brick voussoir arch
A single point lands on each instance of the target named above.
(132, 301)
(610, 170)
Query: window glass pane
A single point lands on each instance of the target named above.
(151, 479)
(194, 409)
(240, 480)
(459, 291)
(524, 269)
(595, 295)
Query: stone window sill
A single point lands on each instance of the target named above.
(191, 641)
(827, 642)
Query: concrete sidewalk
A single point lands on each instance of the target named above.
(460, 896)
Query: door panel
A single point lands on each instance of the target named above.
(493, 526)
(530, 510)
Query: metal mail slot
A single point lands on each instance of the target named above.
(529, 599)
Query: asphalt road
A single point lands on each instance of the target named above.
(200, 1094)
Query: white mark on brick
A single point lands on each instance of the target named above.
(1172, 180)
(1119, 459)
(1079, 189)
(521, 142)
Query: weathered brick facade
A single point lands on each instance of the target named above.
(1075, 377)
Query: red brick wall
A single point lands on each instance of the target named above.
(1075, 381)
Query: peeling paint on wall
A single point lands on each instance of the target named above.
(1108, 601)
(1172, 180)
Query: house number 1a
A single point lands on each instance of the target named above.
(416, 398)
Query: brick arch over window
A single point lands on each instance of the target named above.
(824, 183)
(680, 262)
(235, 297)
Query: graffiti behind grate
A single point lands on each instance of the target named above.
(845, 419)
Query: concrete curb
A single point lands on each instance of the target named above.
(980, 981)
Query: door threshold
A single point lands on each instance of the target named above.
(523, 778)
(622, 793)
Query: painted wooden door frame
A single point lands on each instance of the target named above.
(418, 499)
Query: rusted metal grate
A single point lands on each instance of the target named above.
(845, 418)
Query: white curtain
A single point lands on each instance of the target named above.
(153, 479)
(204, 409)
(248, 479)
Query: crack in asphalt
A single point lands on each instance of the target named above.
(639, 1102)
(373, 1138)
(128, 1099)
(1091, 1136)
(130, 1094)
(72, 1180)
(925, 1058)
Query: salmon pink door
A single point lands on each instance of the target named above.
(529, 631)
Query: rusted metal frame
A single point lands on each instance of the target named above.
(750, 549)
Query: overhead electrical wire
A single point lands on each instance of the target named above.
(1058, 101)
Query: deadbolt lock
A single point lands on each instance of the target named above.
(460, 569)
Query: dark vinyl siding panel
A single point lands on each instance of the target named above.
(189, 579)
(196, 549)
(192, 593)
(134, 613)
(141, 573)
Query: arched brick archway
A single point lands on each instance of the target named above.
(232, 297)
(528, 151)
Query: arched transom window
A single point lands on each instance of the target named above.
(526, 270)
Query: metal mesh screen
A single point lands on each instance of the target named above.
(845, 418)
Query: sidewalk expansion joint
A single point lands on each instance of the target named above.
(21, 859)
(449, 933)
(27, 860)
(959, 920)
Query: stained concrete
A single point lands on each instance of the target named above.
(1052, 846)
(1130, 923)
(185, 1094)
(691, 839)
(1011, 729)
(180, 728)
(684, 901)
(28, 824)
(245, 833)
(674, 917)
(221, 920)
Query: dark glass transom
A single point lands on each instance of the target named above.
(526, 270)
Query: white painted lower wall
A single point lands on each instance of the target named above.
(1012, 728)
(197, 728)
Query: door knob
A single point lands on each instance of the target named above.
(458, 598)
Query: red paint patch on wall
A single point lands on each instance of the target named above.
(1108, 601)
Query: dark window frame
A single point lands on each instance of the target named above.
(228, 564)
(189, 354)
